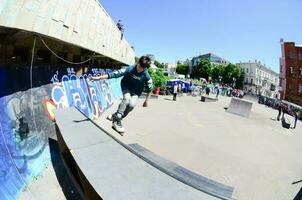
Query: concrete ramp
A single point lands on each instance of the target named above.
(240, 107)
(207, 99)
(105, 168)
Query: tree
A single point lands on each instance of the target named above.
(203, 69)
(182, 69)
(239, 82)
(227, 74)
(158, 64)
(158, 77)
(217, 71)
(136, 59)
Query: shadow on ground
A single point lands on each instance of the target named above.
(299, 195)
(68, 188)
(168, 99)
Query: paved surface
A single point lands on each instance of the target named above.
(113, 171)
(254, 155)
(53, 182)
(45, 187)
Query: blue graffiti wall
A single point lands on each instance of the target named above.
(24, 123)
(91, 97)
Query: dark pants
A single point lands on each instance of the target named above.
(295, 123)
(174, 96)
(279, 115)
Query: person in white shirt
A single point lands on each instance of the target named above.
(175, 89)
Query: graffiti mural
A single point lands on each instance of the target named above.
(26, 120)
(90, 97)
(24, 132)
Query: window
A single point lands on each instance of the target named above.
(289, 55)
(251, 81)
(291, 70)
(247, 70)
(300, 56)
(300, 71)
(300, 88)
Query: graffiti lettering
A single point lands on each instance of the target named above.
(91, 97)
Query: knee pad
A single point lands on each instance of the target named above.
(126, 101)
(132, 104)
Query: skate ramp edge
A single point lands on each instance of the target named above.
(105, 168)
(240, 107)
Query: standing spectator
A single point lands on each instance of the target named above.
(296, 115)
(179, 89)
(217, 91)
(175, 88)
(279, 111)
(190, 87)
(207, 91)
(120, 26)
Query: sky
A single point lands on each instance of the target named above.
(237, 30)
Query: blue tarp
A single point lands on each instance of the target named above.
(184, 84)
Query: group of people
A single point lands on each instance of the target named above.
(177, 90)
(283, 109)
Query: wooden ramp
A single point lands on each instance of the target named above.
(105, 168)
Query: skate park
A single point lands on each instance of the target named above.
(185, 149)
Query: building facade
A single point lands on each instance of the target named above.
(170, 69)
(214, 59)
(211, 57)
(291, 72)
(259, 79)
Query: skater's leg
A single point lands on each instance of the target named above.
(124, 103)
(117, 118)
(131, 105)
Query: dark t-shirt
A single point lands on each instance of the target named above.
(132, 80)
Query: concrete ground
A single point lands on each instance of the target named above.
(53, 182)
(255, 155)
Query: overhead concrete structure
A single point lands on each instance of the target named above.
(83, 23)
(48, 48)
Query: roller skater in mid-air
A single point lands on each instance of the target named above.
(135, 78)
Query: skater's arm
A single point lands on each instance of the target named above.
(146, 99)
(100, 77)
(149, 85)
(119, 73)
(115, 74)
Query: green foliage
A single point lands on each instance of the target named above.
(203, 69)
(182, 69)
(158, 64)
(159, 80)
(227, 72)
(136, 59)
(239, 82)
